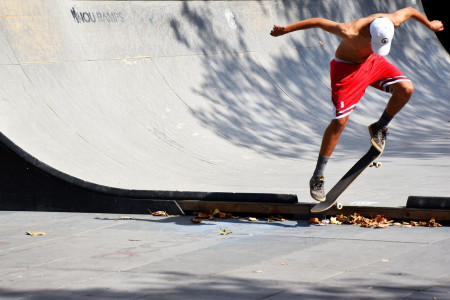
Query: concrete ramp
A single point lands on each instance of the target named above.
(127, 96)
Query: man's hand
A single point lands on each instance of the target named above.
(436, 25)
(278, 30)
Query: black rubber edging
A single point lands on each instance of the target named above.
(428, 202)
(26, 183)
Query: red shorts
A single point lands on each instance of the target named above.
(349, 81)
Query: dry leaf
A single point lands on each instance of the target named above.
(35, 233)
(224, 232)
(202, 215)
(380, 225)
(160, 213)
(335, 221)
(196, 220)
(277, 218)
(313, 221)
(432, 223)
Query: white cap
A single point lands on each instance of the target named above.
(382, 32)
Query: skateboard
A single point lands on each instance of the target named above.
(368, 160)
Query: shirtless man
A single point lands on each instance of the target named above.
(359, 63)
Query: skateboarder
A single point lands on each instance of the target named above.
(358, 63)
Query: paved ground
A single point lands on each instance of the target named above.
(101, 256)
(197, 96)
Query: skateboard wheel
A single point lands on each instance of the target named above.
(339, 206)
(376, 164)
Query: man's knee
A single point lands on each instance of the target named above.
(338, 125)
(408, 88)
(404, 88)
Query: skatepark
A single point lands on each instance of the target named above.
(197, 96)
(176, 99)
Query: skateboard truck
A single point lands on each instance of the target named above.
(376, 164)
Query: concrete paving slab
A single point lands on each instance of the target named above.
(102, 256)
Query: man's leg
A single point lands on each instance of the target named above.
(332, 134)
(401, 93)
(329, 142)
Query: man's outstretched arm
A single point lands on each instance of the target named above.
(321, 23)
(404, 14)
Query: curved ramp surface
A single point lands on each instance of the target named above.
(197, 96)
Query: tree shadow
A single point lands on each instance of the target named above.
(188, 285)
(273, 96)
(232, 219)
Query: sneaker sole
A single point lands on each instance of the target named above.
(318, 199)
(372, 141)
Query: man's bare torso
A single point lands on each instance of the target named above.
(355, 45)
(354, 51)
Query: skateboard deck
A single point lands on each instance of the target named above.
(360, 166)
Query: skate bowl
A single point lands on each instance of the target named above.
(148, 98)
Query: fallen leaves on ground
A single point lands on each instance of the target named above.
(211, 215)
(380, 221)
(276, 218)
(217, 214)
(431, 223)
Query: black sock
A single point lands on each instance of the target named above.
(383, 121)
(320, 167)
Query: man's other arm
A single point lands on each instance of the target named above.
(324, 24)
(404, 14)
